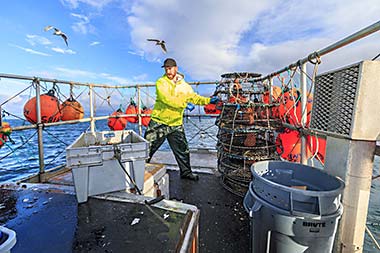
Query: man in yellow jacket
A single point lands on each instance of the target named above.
(172, 95)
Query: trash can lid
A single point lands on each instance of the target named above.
(296, 187)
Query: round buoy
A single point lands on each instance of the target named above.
(316, 146)
(288, 145)
(117, 123)
(5, 132)
(295, 113)
(211, 109)
(71, 110)
(3, 139)
(146, 119)
(239, 99)
(287, 102)
(49, 108)
(132, 109)
(276, 92)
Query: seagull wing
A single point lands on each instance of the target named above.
(153, 40)
(65, 38)
(57, 31)
(47, 28)
(163, 47)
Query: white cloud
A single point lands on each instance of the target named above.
(36, 39)
(117, 79)
(94, 43)
(29, 50)
(89, 76)
(63, 51)
(83, 24)
(94, 3)
(211, 37)
(73, 73)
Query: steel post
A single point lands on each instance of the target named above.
(303, 82)
(92, 119)
(39, 132)
(139, 109)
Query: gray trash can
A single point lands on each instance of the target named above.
(293, 208)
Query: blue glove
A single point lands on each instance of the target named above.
(214, 100)
(190, 107)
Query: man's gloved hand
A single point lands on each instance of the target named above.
(214, 100)
(190, 107)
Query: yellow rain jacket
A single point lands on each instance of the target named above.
(172, 98)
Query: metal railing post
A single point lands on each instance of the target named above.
(39, 131)
(270, 90)
(139, 109)
(92, 119)
(304, 112)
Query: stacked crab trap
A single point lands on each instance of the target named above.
(247, 127)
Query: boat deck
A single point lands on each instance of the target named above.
(47, 217)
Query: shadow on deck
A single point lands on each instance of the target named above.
(224, 224)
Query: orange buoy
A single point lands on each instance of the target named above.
(212, 109)
(287, 102)
(3, 139)
(288, 145)
(239, 99)
(276, 92)
(295, 113)
(132, 109)
(146, 119)
(50, 111)
(5, 132)
(317, 146)
(71, 110)
(117, 123)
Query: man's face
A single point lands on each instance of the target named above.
(171, 72)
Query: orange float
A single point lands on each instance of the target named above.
(317, 147)
(146, 119)
(287, 102)
(5, 132)
(50, 109)
(132, 109)
(71, 110)
(276, 93)
(288, 146)
(212, 108)
(238, 99)
(295, 113)
(117, 123)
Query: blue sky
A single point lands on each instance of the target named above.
(107, 38)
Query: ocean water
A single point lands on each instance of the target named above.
(21, 158)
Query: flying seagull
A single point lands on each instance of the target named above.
(57, 32)
(161, 43)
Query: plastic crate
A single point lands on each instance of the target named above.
(7, 239)
(94, 157)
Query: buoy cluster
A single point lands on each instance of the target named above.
(119, 119)
(52, 110)
(289, 110)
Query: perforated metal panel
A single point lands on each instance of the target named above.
(346, 103)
